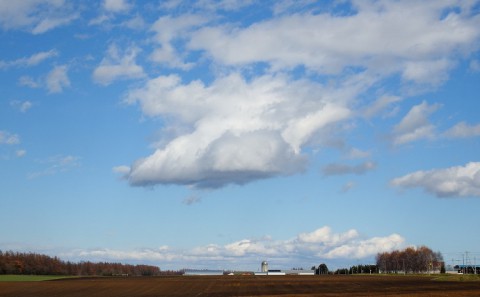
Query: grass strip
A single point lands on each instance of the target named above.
(30, 278)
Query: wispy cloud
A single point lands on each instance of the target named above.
(415, 125)
(32, 60)
(347, 187)
(9, 138)
(355, 153)
(121, 169)
(169, 29)
(29, 81)
(116, 5)
(20, 153)
(342, 169)
(50, 23)
(192, 199)
(36, 16)
(380, 105)
(57, 79)
(22, 106)
(463, 130)
(117, 66)
(475, 66)
(54, 165)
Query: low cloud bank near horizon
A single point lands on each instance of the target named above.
(305, 249)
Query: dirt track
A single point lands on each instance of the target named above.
(243, 286)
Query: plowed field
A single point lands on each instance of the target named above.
(243, 286)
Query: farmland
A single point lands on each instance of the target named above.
(332, 285)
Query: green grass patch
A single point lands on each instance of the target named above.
(30, 278)
(458, 277)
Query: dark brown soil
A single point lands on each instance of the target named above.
(216, 286)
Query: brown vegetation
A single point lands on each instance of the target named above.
(37, 264)
(410, 260)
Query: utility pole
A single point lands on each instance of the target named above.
(466, 262)
(475, 265)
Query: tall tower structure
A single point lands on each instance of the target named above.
(264, 266)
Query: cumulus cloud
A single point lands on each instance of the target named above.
(118, 66)
(341, 169)
(239, 130)
(57, 79)
(415, 125)
(463, 130)
(458, 181)
(303, 249)
(364, 248)
(241, 125)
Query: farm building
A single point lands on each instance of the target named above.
(265, 271)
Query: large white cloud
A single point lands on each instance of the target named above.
(304, 249)
(458, 181)
(315, 71)
(411, 38)
(238, 130)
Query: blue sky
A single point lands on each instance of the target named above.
(223, 133)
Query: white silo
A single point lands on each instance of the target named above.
(264, 266)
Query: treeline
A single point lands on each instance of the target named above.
(38, 264)
(357, 269)
(411, 260)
